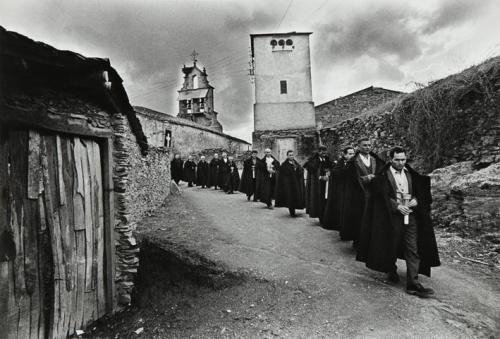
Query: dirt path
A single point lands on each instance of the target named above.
(305, 282)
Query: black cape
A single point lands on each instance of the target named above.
(176, 169)
(202, 173)
(290, 189)
(378, 245)
(189, 171)
(223, 174)
(358, 195)
(215, 167)
(266, 182)
(232, 178)
(315, 188)
(247, 184)
(338, 197)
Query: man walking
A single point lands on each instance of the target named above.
(176, 168)
(202, 172)
(249, 176)
(215, 166)
(361, 171)
(398, 224)
(267, 168)
(190, 171)
(290, 185)
(318, 168)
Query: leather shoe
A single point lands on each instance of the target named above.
(393, 277)
(419, 290)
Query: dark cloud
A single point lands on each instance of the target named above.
(382, 31)
(454, 12)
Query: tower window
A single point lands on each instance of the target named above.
(283, 87)
(195, 82)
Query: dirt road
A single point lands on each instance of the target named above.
(305, 281)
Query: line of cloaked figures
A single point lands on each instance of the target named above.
(356, 195)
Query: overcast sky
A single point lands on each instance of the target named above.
(355, 44)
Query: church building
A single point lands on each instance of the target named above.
(196, 97)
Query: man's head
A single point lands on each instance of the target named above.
(254, 154)
(398, 158)
(202, 157)
(216, 156)
(267, 152)
(365, 146)
(290, 155)
(348, 153)
(190, 157)
(322, 150)
(224, 154)
(177, 156)
(231, 158)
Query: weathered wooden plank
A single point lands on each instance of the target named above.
(109, 224)
(5, 306)
(66, 229)
(48, 156)
(12, 316)
(60, 176)
(78, 194)
(101, 296)
(45, 270)
(7, 246)
(80, 278)
(35, 183)
(89, 236)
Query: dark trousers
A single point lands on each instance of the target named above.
(408, 240)
(292, 211)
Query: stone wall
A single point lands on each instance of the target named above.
(352, 105)
(142, 183)
(305, 142)
(452, 120)
(187, 137)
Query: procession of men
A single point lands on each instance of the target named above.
(382, 207)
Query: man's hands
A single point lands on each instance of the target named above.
(412, 203)
(370, 177)
(404, 210)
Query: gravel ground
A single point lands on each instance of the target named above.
(266, 275)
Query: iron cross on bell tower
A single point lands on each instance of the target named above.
(194, 55)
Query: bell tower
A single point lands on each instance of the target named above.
(196, 97)
(284, 116)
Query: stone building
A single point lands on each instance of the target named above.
(185, 136)
(352, 105)
(196, 97)
(284, 116)
(71, 150)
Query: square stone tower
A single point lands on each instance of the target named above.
(284, 116)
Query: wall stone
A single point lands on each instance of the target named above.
(142, 184)
(352, 105)
(187, 137)
(305, 140)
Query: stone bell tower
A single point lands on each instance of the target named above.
(196, 97)
(284, 116)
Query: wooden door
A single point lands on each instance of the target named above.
(52, 278)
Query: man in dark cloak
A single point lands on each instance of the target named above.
(232, 177)
(397, 224)
(223, 172)
(290, 187)
(176, 168)
(202, 172)
(318, 169)
(249, 176)
(190, 171)
(338, 197)
(265, 184)
(360, 173)
(215, 167)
